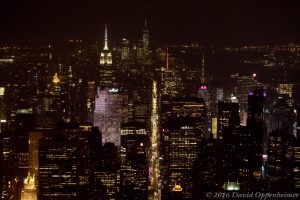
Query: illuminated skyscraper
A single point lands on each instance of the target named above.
(2, 106)
(33, 151)
(57, 169)
(125, 49)
(108, 114)
(142, 49)
(105, 56)
(134, 168)
(105, 69)
(68, 161)
(53, 98)
(245, 84)
(228, 120)
(185, 129)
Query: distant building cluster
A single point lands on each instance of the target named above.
(141, 120)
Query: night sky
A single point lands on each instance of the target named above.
(208, 22)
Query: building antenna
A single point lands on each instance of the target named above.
(202, 68)
(105, 39)
(167, 59)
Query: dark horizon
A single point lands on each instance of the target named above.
(216, 23)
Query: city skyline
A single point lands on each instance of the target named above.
(149, 100)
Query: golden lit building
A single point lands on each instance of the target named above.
(29, 190)
(285, 89)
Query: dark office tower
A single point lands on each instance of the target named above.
(177, 192)
(277, 162)
(186, 127)
(1, 164)
(134, 168)
(90, 100)
(295, 165)
(8, 169)
(256, 128)
(208, 168)
(97, 190)
(7, 149)
(282, 115)
(24, 123)
(296, 121)
(57, 169)
(245, 150)
(106, 70)
(228, 124)
(110, 171)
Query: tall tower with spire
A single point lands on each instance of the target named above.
(146, 36)
(105, 55)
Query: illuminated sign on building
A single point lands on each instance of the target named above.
(113, 90)
(2, 90)
(234, 99)
(203, 89)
